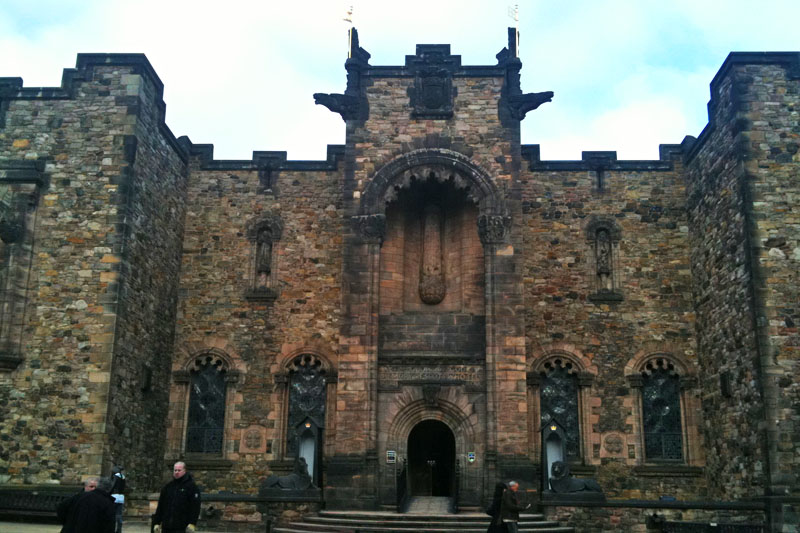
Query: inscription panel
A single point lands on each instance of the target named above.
(395, 375)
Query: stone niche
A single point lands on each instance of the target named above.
(432, 273)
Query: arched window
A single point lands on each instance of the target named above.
(661, 411)
(558, 392)
(306, 414)
(205, 425)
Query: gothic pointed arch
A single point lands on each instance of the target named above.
(664, 393)
(433, 164)
(205, 379)
(305, 379)
(559, 379)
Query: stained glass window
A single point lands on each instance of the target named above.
(662, 413)
(306, 397)
(559, 401)
(206, 423)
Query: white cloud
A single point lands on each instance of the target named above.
(628, 75)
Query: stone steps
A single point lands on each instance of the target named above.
(389, 522)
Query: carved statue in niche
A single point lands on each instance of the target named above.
(431, 276)
(603, 259)
(263, 257)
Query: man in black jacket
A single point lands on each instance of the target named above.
(179, 503)
(93, 512)
(65, 508)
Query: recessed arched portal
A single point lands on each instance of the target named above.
(431, 459)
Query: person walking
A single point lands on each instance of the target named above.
(118, 493)
(93, 512)
(496, 525)
(65, 508)
(510, 507)
(179, 503)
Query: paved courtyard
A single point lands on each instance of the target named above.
(18, 527)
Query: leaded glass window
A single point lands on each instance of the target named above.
(661, 412)
(306, 398)
(559, 401)
(206, 422)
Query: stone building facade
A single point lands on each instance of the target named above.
(419, 306)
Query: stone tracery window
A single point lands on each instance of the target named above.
(558, 392)
(661, 411)
(306, 399)
(206, 418)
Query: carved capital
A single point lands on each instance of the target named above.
(494, 229)
(371, 228)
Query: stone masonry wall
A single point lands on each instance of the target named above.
(153, 205)
(605, 336)
(260, 337)
(744, 182)
(727, 345)
(770, 121)
(54, 404)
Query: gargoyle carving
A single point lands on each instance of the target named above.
(344, 104)
(520, 104)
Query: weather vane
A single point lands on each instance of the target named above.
(349, 18)
(513, 12)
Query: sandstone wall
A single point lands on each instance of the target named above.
(220, 312)
(743, 173)
(57, 423)
(604, 335)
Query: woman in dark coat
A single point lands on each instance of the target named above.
(496, 525)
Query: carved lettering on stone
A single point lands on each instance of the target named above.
(472, 374)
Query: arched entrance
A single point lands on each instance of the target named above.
(431, 459)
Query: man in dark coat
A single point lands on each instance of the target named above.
(64, 509)
(179, 503)
(93, 512)
(510, 507)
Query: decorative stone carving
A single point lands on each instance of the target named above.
(433, 93)
(297, 480)
(561, 482)
(520, 104)
(343, 104)
(431, 276)
(352, 105)
(371, 228)
(613, 444)
(494, 229)
(253, 440)
(430, 393)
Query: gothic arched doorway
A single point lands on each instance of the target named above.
(431, 459)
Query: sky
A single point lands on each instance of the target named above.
(628, 75)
